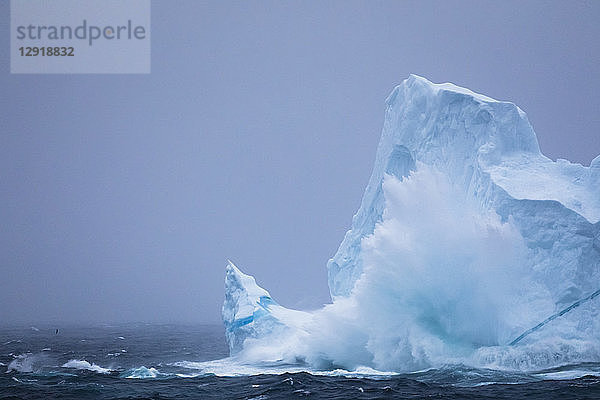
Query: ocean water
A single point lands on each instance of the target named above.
(150, 361)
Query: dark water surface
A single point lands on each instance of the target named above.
(142, 361)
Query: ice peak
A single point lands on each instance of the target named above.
(447, 86)
(442, 125)
(245, 302)
(245, 285)
(245, 281)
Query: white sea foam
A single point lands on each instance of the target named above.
(409, 309)
(86, 365)
(231, 367)
(142, 373)
(23, 363)
(578, 373)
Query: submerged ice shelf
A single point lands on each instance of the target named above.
(467, 239)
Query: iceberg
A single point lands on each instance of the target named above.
(470, 246)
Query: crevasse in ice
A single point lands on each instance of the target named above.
(467, 238)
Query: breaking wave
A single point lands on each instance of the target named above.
(444, 281)
(86, 365)
(143, 373)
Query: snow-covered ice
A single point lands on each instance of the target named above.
(466, 237)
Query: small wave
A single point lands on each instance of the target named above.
(85, 365)
(22, 363)
(572, 374)
(143, 373)
(303, 392)
(189, 375)
(495, 383)
(229, 367)
(359, 372)
(24, 381)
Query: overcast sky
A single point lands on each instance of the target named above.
(122, 196)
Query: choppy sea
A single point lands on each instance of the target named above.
(149, 361)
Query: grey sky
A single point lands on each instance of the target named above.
(121, 197)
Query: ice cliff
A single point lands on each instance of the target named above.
(467, 238)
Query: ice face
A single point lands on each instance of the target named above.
(250, 312)
(440, 125)
(245, 304)
(467, 237)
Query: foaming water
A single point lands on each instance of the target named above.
(143, 373)
(445, 281)
(441, 276)
(82, 364)
(173, 362)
